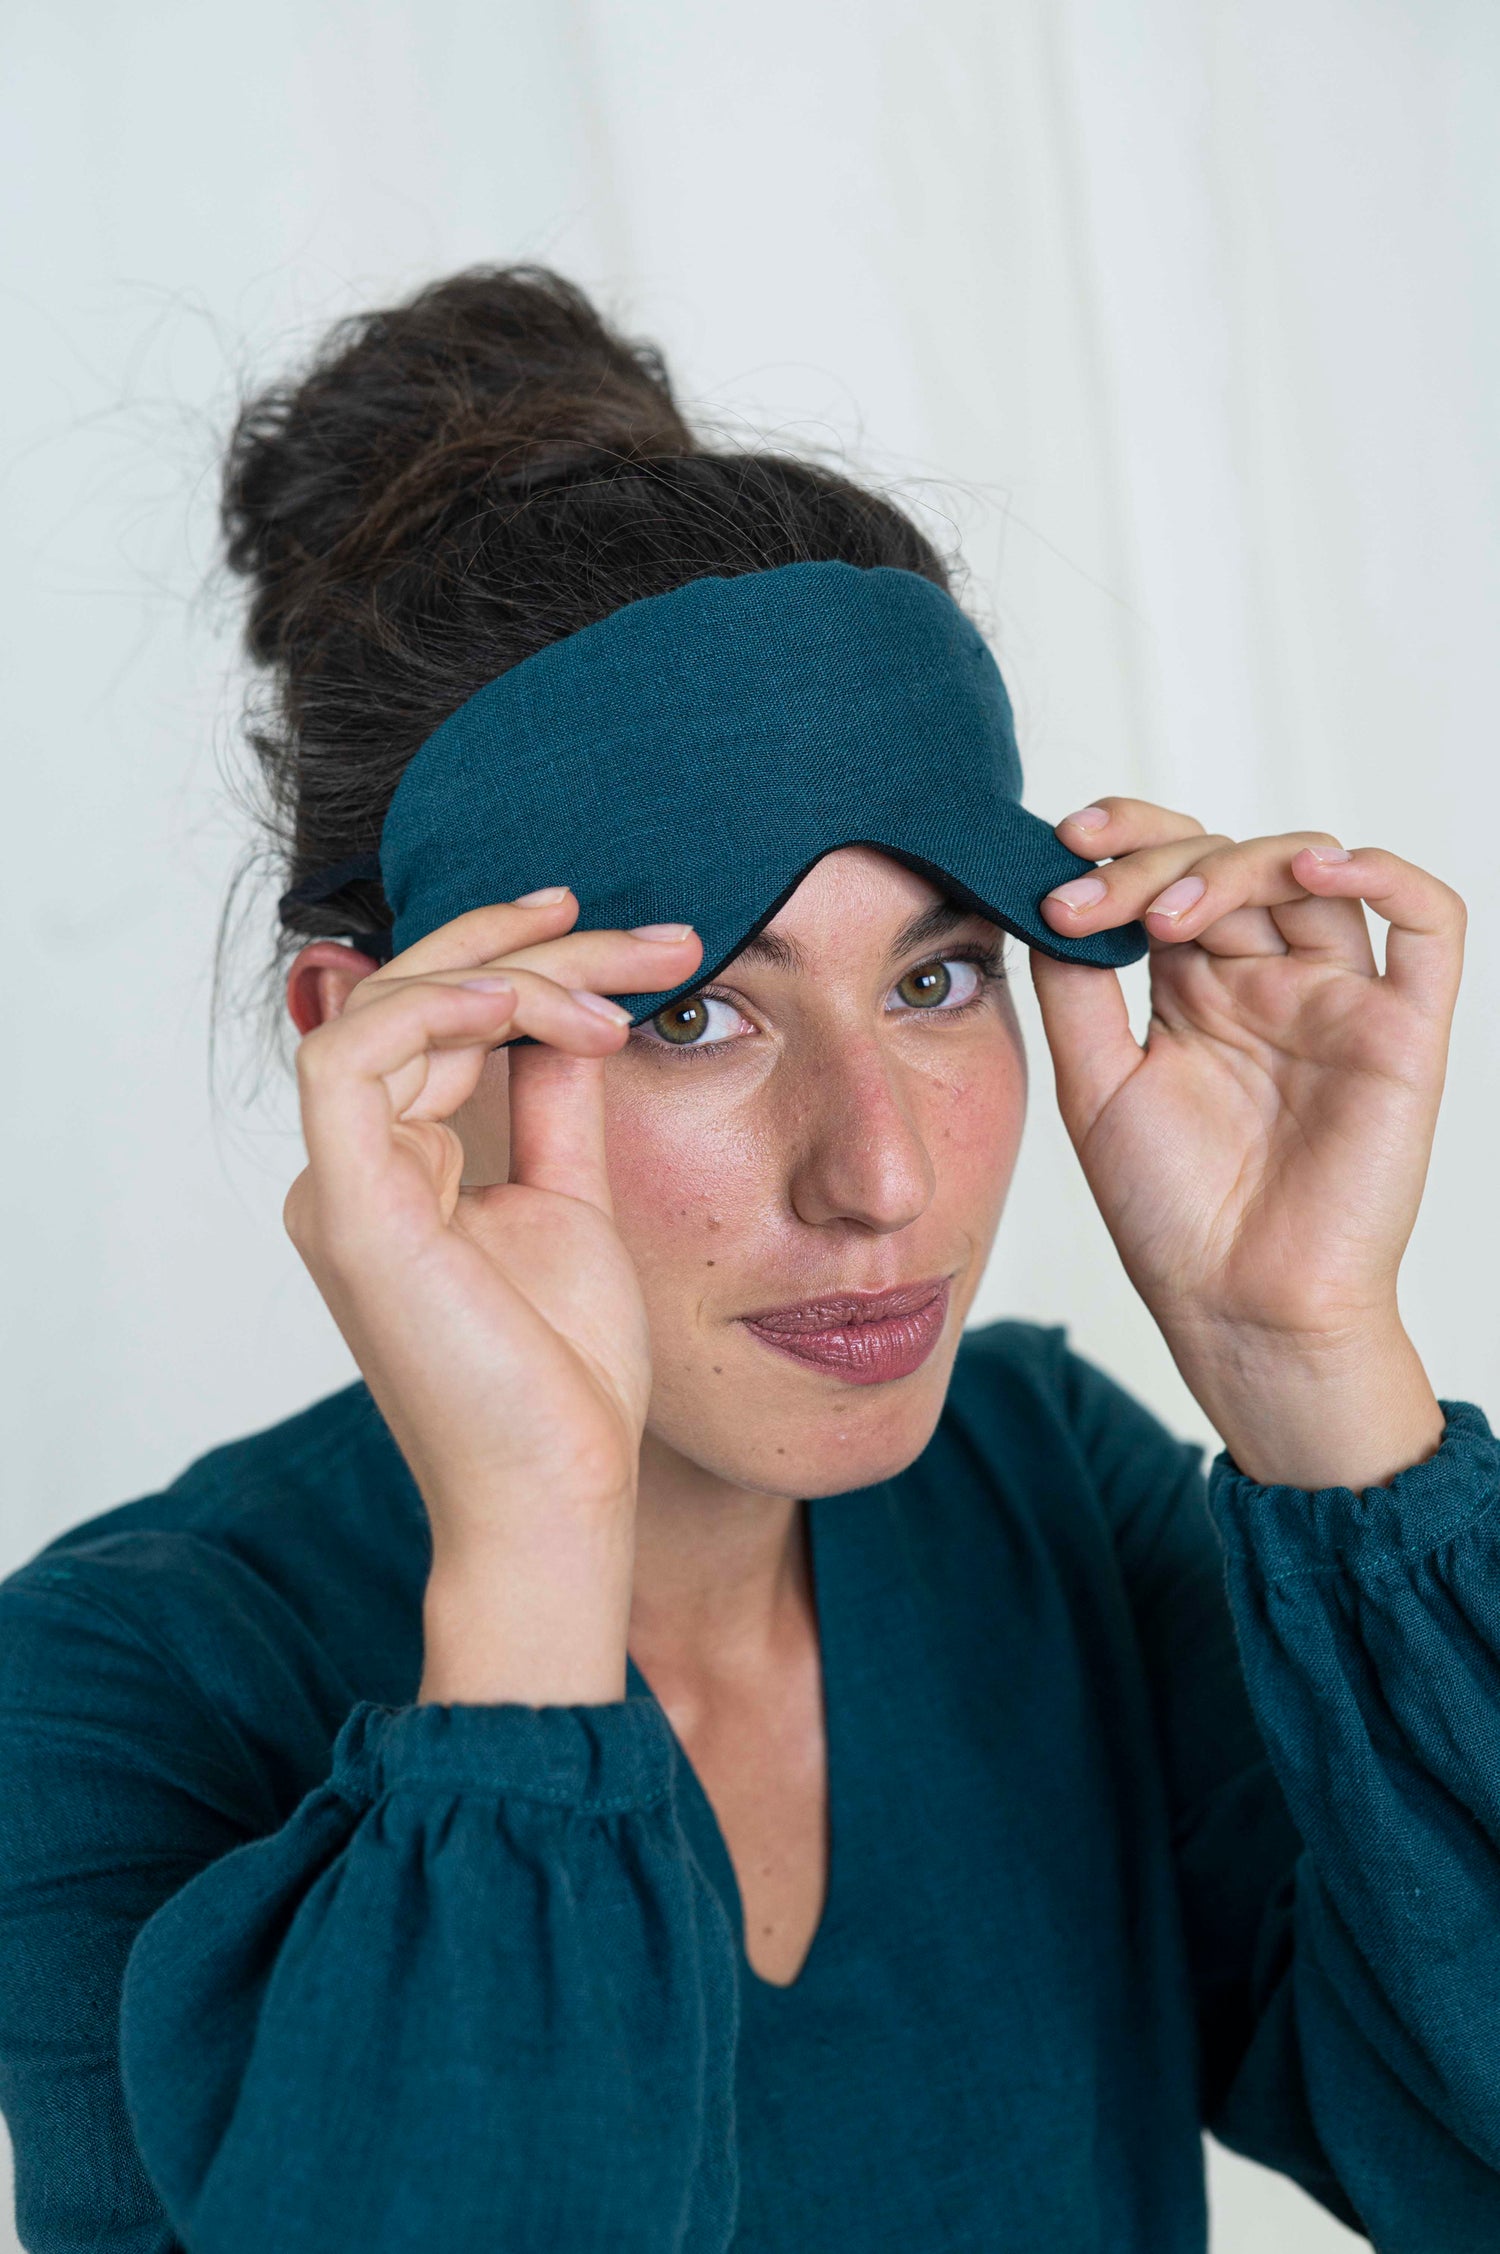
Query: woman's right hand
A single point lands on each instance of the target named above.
(500, 1330)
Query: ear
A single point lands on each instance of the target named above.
(321, 980)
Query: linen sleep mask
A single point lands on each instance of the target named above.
(689, 758)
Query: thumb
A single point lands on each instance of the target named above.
(557, 1124)
(1088, 1032)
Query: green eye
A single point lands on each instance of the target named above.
(683, 1022)
(927, 986)
(696, 1021)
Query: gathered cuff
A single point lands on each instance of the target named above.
(1312, 1530)
(599, 1760)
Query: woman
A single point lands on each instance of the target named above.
(694, 1751)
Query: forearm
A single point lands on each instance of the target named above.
(1298, 1411)
(1368, 1633)
(471, 1994)
(536, 1614)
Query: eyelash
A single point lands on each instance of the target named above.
(989, 961)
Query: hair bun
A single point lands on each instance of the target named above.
(454, 484)
(474, 393)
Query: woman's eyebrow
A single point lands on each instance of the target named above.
(769, 947)
(936, 922)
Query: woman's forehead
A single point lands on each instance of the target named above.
(857, 879)
(856, 899)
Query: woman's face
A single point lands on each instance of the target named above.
(841, 1118)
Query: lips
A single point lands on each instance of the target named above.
(863, 1337)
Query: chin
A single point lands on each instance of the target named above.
(799, 1433)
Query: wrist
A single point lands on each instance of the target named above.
(537, 1616)
(1347, 1408)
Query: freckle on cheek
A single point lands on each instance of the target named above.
(708, 1263)
(718, 1369)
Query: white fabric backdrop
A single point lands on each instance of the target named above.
(1182, 310)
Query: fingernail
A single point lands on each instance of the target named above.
(1329, 853)
(663, 932)
(1080, 892)
(1089, 818)
(598, 1004)
(1178, 897)
(548, 897)
(488, 985)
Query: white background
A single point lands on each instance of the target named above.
(1183, 311)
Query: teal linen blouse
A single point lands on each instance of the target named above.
(1151, 1808)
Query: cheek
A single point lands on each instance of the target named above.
(688, 1181)
(702, 1203)
(973, 1111)
(700, 1186)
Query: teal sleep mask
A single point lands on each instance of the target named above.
(689, 758)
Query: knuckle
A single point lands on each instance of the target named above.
(314, 1057)
(1144, 815)
(297, 1210)
(1183, 824)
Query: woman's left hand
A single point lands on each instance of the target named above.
(1260, 1159)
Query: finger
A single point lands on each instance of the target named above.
(1224, 894)
(441, 1153)
(572, 1018)
(1425, 919)
(614, 962)
(348, 1071)
(1087, 1025)
(557, 1125)
(1115, 894)
(1242, 931)
(433, 1085)
(1128, 825)
(1334, 931)
(1244, 898)
(484, 934)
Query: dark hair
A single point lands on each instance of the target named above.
(454, 483)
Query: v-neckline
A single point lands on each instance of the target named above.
(699, 1817)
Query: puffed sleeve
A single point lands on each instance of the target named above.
(1326, 1672)
(472, 1993)
(1370, 1630)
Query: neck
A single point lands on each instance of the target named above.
(721, 1571)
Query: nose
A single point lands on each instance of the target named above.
(859, 1154)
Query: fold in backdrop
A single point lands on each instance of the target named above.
(1196, 297)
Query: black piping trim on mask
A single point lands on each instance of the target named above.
(953, 886)
(942, 878)
(381, 944)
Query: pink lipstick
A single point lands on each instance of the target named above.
(864, 1337)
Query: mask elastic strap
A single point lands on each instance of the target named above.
(323, 884)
